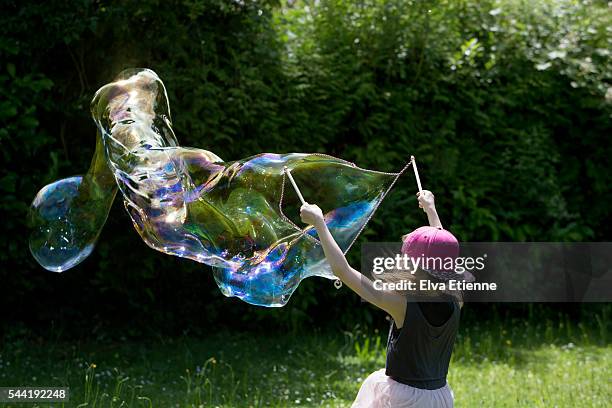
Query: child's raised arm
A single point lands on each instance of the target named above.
(427, 203)
(391, 302)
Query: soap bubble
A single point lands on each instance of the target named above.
(239, 217)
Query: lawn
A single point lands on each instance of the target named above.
(498, 364)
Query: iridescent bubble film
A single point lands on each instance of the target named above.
(240, 217)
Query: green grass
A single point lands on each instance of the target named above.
(509, 364)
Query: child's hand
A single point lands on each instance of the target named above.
(311, 214)
(426, 200)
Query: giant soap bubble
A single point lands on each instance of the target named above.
(239, 217)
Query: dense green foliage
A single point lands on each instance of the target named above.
(506, 104)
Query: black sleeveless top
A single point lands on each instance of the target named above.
(419, 353)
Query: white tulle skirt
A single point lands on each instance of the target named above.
(381, 391)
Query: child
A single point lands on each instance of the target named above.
(422, 334)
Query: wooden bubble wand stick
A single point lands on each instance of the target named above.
(295, 187)
(416, 173)
(337, 282)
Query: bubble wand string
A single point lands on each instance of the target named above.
(416, 173)
(337, 282)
